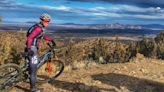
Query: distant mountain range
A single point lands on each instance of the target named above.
(93, 26)
(154, 26)
(111, 26)
(90, 29)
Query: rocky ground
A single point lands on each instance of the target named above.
(143, 75)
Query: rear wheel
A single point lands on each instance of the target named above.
(50, 70)
(9, 75)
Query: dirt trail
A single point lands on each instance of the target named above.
(126, 77)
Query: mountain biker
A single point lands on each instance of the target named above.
(34, 35)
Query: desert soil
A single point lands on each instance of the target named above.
(140, 76)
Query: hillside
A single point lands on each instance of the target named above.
(143, 75)
(98, 64)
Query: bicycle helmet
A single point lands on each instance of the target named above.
(45, 17)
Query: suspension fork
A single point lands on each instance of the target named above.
(49, 64)
(43, 59)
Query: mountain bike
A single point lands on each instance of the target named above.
(51, 67)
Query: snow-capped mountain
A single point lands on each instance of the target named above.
(111, 26)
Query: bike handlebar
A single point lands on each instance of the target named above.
(51, 44)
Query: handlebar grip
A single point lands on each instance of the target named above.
(49, 45)
(53, 43)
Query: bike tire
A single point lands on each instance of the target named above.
(58, 67)
(8, 76)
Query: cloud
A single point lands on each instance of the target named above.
(141, 3)
(119, 12)
(5, 4)
(124, 11)
(62, 8)
(128, 9)
(155, 17)
(12, 5)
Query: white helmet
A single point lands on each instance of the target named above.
(45, 17)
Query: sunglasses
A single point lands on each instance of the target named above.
(46, 21)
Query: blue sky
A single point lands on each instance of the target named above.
(84, 11)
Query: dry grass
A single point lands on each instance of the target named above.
(11, 44)
(94, 50)
(78, 65)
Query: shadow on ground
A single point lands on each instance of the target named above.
(133, 84)
(77, 87)
(69, 86)
(22, 88)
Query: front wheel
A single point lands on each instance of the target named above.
(9, 75)
(50, 70)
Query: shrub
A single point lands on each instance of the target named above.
(152, 47)
(99, 50)
(12, 43)
(113, 51)
(159, 39)
(147, 47)
(71, 54)
(0, 19)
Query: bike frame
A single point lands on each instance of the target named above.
(43, 60)
(45, 57)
